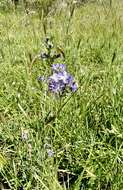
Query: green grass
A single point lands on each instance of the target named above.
(87, 135)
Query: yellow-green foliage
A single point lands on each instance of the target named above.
(87, 135)
(40, 3)
(2, 161)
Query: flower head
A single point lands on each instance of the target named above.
(58, 82)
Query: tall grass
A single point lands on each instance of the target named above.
(86, 137)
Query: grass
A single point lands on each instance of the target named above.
(87, 135)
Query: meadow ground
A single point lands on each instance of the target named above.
(82, 148)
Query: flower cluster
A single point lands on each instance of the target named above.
(60, 80)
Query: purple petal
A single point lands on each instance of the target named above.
(53, 86)
(59, 81)
(63, 76)
(58, 67)
(54, 77)
(69, 79)
(73, 87)
(50, 153)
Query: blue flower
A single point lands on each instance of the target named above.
(54, 77)
(58, 82)
(66, 77)
(73, 87)
(54, 87)
(58, 67)
(55, 84)
(50, 153)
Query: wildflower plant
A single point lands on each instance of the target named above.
(59, 81)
